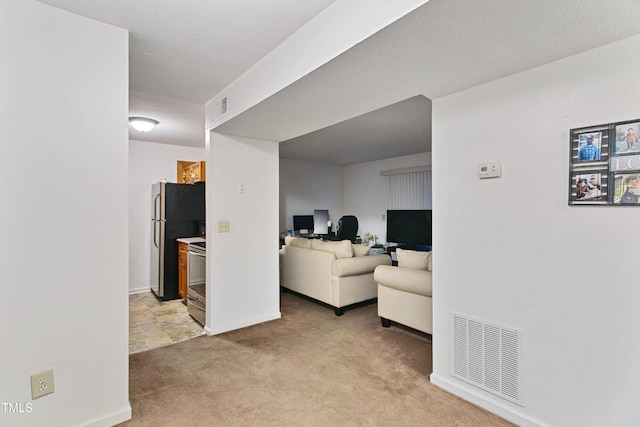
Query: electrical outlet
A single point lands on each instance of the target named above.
(223, 226)
(243, 188)
(42, 384)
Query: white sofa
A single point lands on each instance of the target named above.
(336, 273)
(404, 292)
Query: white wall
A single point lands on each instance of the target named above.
(64, 305)
(148, 164)
(366, 192)
(356, 189)
(242, 265)
(512, 251)
(305, 186)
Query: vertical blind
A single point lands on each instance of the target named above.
(409, 188)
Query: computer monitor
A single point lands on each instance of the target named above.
(303, 222)
(320, 221)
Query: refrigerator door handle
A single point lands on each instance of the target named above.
(155, 231)
(155, 208)
(155, 234)
(155, 221)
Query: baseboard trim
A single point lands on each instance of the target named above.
(477, 397)
(110, 419)
(215, 331)
(139, 290)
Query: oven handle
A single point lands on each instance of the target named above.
(198, 254)
(197, 304)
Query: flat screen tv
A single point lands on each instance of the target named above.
(303, 222)
(410, 228)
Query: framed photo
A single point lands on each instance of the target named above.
(589, 147)
(626, 188)
(604, 167)
(627, 138)
(589, 188)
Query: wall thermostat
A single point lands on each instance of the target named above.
(489, 170)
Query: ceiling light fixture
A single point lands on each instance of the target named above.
(143, 124)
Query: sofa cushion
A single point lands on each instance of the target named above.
(360, 250)
(415, 260)
(297, 242)
(341, 249)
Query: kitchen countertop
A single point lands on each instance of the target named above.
(191, 239)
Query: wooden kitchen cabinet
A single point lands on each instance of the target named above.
(183, 269)
(191, 172)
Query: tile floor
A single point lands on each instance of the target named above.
(155, 323)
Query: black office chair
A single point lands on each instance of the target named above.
(347, 228)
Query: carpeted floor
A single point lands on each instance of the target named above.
(309, 368)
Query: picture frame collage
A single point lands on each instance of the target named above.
(605, 165)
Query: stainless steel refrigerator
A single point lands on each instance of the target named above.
(177, 211)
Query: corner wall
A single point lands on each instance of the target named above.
(511, 251)
(242, 265)
(63, 118)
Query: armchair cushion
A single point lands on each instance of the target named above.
(416, 260)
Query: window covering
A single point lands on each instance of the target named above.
(409, 188)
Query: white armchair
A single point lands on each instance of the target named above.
(404, 292)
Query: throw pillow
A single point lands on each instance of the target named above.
(415, 260)
(360, 250)
(341, 249)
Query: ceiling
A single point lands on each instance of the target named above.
(184, 53)
(397, 130)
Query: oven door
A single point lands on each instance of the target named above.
(197, 271)
(196, 280)
(196, 309)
